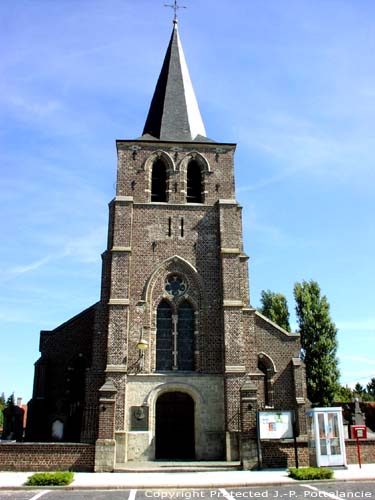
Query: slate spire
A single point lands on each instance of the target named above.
(174, 113)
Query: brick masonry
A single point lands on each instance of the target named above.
(80, 458)
(46, 457)
(281, 453)
(234, 346)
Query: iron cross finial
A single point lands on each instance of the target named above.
(175, 7)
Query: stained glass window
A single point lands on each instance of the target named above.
(185, 337)
(175, 285)
(164, 339)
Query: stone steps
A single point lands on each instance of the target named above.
(177, 466)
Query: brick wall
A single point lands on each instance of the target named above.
(367, 451)
(46, 457)
(281, 453)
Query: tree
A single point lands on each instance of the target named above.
(2, 406)
(370, 389)
(318, 340)
(10, 401)
(344, 395)
(275, 308)
(359, 389)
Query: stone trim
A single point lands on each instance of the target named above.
(116, 369)
(108, 386)
(123, 199)
(235, 369)
(256, 375)
(118, 302)
(232, 303)
(121, 249)
(227, 202)
(230, 250)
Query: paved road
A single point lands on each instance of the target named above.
(307, 491)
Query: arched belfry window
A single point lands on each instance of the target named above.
(194, 184)
(159, 181)
(164, 338)
(185, 337)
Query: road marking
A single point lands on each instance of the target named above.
(40, 494)
(132, 494)
(325, 493)
(227, 494)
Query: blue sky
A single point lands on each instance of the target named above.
(291, 81)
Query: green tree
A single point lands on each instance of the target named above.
(370, 389)
(344, 395)
(275, 308)
(318, 340)
(2, 406)
(359, 390)
(10, 401)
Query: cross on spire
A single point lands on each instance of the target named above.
(175, 7)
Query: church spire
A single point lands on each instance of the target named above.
(174, 113)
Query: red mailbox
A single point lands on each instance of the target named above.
(358, 431)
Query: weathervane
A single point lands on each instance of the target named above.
(175, 7)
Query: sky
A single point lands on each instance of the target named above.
(292, 82)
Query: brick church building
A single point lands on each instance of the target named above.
(172, 362)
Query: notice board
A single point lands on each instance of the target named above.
(275, 424)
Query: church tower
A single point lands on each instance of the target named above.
(180, 327)
(178, 362)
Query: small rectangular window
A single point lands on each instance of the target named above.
(182, 228)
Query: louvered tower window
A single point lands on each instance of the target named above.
(194, 183)
(159, 181)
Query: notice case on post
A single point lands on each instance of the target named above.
(275, 424)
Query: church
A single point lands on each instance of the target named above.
(172, 363)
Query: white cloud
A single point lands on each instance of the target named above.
(22, 269)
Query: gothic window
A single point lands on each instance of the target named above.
(164, 339)
(175, 337)
(175, 285)
(185, 337)
(159, 181)
(194, 183)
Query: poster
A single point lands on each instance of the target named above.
(276, 425)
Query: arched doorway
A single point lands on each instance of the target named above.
(174, 427)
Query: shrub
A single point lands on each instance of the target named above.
(50, 479)
(309, 473)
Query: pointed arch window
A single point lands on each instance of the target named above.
(194, 184)
(164, 337)
(185, 337)
(175, 337)
(159, 181)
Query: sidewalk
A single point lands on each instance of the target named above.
(147, 480)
